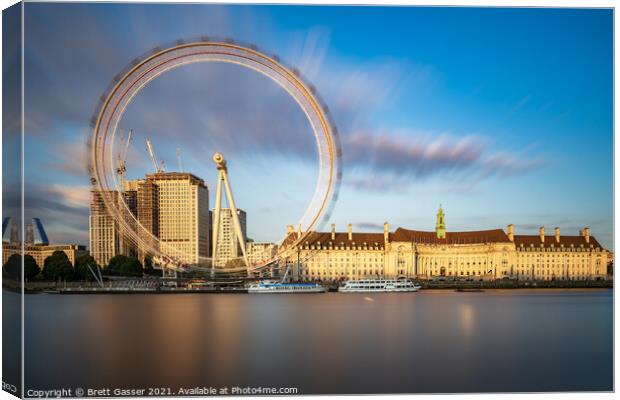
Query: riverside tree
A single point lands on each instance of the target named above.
(124, 266)
(82, 272)
(13, 267)
(57, 266)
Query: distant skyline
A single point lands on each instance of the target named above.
(501, 115)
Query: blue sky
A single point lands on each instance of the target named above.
(501, 115)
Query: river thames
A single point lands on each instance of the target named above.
(427, 342)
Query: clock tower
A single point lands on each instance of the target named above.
(440, 226)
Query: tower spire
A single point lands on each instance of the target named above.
(440, 226)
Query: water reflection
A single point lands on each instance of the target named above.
(466, 313)
(431, 341)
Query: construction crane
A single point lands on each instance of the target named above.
(159, 167)
(179, 159)
(121, 167)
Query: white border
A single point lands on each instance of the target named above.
(478, 3)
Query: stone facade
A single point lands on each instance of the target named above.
(475, 255)
(260, 252)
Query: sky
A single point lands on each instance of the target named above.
(501, 115)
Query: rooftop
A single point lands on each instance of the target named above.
(160, 176)
(466, 237)
(567, 241)
(325, 238)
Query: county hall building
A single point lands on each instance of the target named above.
(478, 255)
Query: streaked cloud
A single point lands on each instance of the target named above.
(77, 196)
(386, 161)
(374, 226)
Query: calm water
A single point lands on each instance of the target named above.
(431, 341)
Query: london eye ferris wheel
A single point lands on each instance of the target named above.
(127, 84)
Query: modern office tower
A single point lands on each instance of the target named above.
(28, 235)
(35, 234)
(6, 223)
(142, 199)
(183, 212)
(39, 235)
(148, 213)
(132, 185)
(127, 246)
(227, 244)
(104, 234)
(211, 233)
(10, 232)
(172, 206)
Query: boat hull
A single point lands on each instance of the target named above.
(361, 290)
(288, 291)
(285, 288)
(379, 286)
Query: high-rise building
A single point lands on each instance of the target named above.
(9, 230)
(148, 213)
(38, 232)
(228, 247)
(142, 199)
(127, 246)
(183, 214)
(104, 234)
(35, 233)
(172, 206)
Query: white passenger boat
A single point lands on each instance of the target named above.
(380, 285)
(270, 287)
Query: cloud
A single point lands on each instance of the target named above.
(368, 225)
(506, 164)
(375, 181)
(70, 195)
(200, 107)
(395, 161)
(69, 157)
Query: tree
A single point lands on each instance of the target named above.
(124, 266)
(131, 267)
(57, 266)
(31, 269)
(82, 272)
(115, 263)
(13, 267)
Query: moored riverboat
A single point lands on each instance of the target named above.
(270, 287)
(380, 285)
